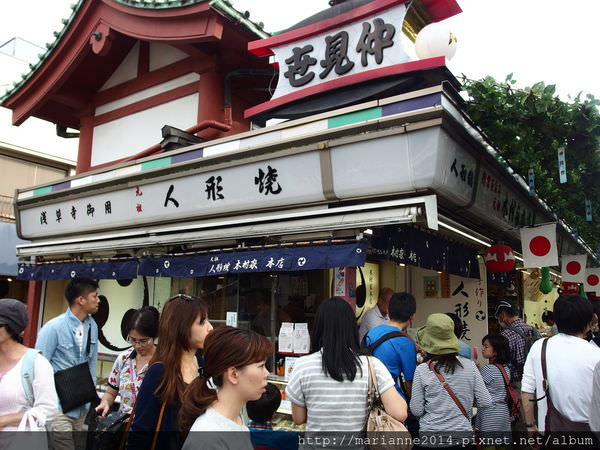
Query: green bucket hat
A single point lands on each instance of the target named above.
(437, 336)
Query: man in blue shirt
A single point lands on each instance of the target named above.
(63, 341)
(398, 354)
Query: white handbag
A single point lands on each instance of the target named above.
(31, 422)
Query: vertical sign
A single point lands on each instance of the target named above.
(531, 183)
(562, 165)
(588, 210)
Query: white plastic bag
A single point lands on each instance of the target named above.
(30, 422)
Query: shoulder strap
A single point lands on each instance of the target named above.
(28, 374)
(89, 341)
(504, 374)
(516, 330)
(158, 424)
(386, 337)
(449, 390)
(544, 369)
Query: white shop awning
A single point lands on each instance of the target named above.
(299, 221)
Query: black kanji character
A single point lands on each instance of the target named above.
(43, 218)
(73, 212)
(298, 65)
(463, 172)
(470, 178)
(107, 207)
(58, 215)
(168, 198)
(213, 188)
(374, 43)
(453, 168)
(465, 330)
(90, 210)
(336, 55)
(266, 181)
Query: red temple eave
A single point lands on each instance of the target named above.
(39, 96)
(439, 10)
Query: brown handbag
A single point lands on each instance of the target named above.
(379, 423)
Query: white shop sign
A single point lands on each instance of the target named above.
(373, 42)
(273, 183)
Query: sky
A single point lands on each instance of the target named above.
(554, 41)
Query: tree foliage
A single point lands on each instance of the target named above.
(528, 127)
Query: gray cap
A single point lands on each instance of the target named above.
(14, 314)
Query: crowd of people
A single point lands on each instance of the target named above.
(194, 388)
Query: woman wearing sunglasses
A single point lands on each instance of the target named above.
(182, 328)
(130, 366)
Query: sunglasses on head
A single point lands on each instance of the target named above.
(187, 298)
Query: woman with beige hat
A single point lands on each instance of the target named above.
(445, 387)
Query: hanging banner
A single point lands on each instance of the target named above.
(573, 268)
(592, 280)
(539, 246)
(255, 261)
(531, 179)
(588, 210)
(562, 165)
(106, 270)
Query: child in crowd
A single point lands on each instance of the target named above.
(261, 411)
(496, 418)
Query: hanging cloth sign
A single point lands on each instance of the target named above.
(588, 210)
(562, 165)
(531, 179)
(592, 280)
(573, 268)
(539, 246)
(255, 261)
(107, 270)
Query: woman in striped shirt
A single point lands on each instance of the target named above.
(328, 388)
(441, 421)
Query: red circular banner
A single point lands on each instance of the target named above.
(540, 246)
(593, 280)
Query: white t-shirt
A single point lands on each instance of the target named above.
(207, 433)
(79, 337)
(371, 319)
(12, 394)
(570, 363)
(333, 405)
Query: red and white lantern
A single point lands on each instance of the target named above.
(500, 258)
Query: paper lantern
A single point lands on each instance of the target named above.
(500, 258)
(435, 39)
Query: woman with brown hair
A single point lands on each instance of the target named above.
(234, 373)
(182, 330)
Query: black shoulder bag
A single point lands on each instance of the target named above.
(75, 386)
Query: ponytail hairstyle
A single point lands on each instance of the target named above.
(224, 348)
(174, 332)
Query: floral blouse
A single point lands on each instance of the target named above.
(126, 379)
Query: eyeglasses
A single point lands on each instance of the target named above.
(141, 342)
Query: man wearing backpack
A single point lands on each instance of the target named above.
(395, 348)
(520, 338)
